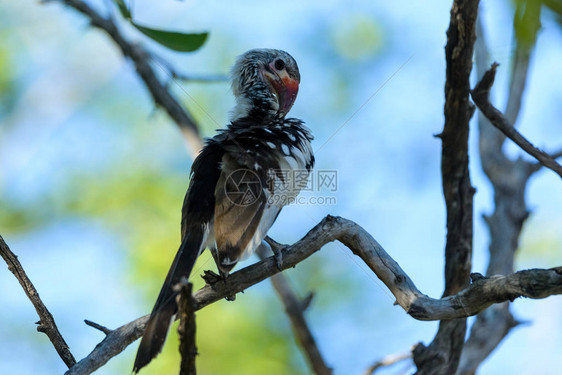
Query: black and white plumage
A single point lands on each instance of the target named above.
(228, 207)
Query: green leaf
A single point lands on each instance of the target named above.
(527, 21)
(177, 41)
(554, 5)
(123, 9)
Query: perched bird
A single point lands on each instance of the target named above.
(240, 181)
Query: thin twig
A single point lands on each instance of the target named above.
(46, 323)
(200, 78)
(556, 155)
(294, 307)
(536, 283)
(97, 326)
(141, 58)
(113, 344)
(481, 97)
(535, 167)
(203, 78)
(517, 82)
(389, 360)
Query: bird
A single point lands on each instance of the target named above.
(240, 181)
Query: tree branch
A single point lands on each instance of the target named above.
(186, 330)
(141, 58)
(483, 292)
(46, 323)
(389, 360)
(509, 179)
(517, 82)
(97, 326)
(481, 97)
(199, 78)
(535, 167)
(557, 154)
(443, 354)
(294, 309)
(114, 343)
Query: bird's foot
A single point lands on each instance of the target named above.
(277, 248)
(224, 276)
(211, 277)
(278, 255)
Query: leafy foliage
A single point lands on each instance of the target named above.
(174, 40)
(527, 21)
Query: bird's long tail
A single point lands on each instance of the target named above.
(166, 306)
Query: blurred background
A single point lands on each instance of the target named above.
(92, 178)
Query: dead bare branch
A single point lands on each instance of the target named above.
(142, 58)
(113, 344)
(443, 354)
(481, 97)
(294, 307)
(199, 78)
(97, 326)
(509, 179)
(517, 82)
(535, 167)
(536, 283)
(389, 360)
(186, 330)
(557, 154)
(46, 323)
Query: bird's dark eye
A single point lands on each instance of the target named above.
(279, 64)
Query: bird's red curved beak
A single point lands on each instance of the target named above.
(286, 88)
(290, 94)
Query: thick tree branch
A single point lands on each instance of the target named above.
(186, 331)
(295, 308)
(483, 292)
(141, 58)
(113, 344)
(481, 97)
(509, 179)
(457, 188)
(46, 323)
(443, 354)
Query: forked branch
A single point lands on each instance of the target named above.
(483, 292)
(46, 323)
(141, 58)
(481, 97)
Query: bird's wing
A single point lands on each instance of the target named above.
(199, 202)
(198, 210)
(242, 212)
(258, 177)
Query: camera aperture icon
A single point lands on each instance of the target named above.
(243, 187)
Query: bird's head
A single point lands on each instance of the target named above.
(265, 83)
